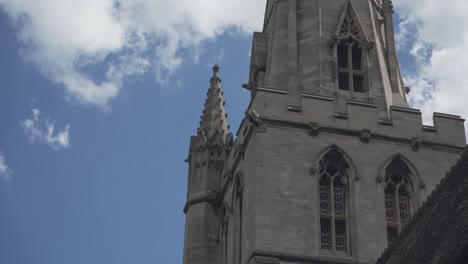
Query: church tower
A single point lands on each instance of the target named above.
(330, 162)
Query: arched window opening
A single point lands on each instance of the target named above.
(333, 199)
(398, 190)
(350, 73)
(350, 53)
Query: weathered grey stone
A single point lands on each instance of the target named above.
(268, 209)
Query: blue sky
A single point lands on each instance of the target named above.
(93, 143)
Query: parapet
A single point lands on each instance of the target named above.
(400, 124)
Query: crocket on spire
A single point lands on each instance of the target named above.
(214, 118)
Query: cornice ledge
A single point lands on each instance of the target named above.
(299, 258)
(207, 196)
(357, 133)
(271, 90)
(405, 110)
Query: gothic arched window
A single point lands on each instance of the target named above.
(333, 181)
(350, 53)
(350, 73)
(398, 191)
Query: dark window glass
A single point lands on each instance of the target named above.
(340, 235)
(392, 234)
(325, 234)
(343, 55)
(397, 198)
(332, 171)
(358, 82)
(357, 58)
(343, 81)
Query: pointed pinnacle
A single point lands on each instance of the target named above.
(214, 118)
(215, 74)
(215, 69)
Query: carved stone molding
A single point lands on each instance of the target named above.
(366, 135)
(201, 164)
(387, 6)
(416, 143)
(265, 260)
(314, 129)
(212, 197)
(215, 164)
(208, 196)
(254, 118)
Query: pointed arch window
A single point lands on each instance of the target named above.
(398, 192)
(333, 181)
(350, 53)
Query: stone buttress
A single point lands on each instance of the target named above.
(207, 156)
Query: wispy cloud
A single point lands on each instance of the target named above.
(68, 40)
(43, 130)
(439, 46)
(5, 172)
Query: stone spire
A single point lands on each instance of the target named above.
(307, 46)
(214, 118)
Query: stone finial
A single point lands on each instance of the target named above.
(387, 6)
(215, 71)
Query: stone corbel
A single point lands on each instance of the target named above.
(254, 118)
(416, 143)
(208, 196)
(314, 129)
(366, 135)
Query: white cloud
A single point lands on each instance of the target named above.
(68, 38)
(5, 172)
(37, 129)
(439, 37)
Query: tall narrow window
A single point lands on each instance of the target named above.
(333, 209)
(350, 73)
(350, 54)
(397, 198)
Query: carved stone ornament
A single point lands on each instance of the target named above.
(366, 135)
(314, 129)
(254, 118)
(416, 143)
(212, 196)
(218, 164)
(387, 6)
(200, 164)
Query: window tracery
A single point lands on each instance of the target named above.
(398, 190)
(333, 209)
(350, 53)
